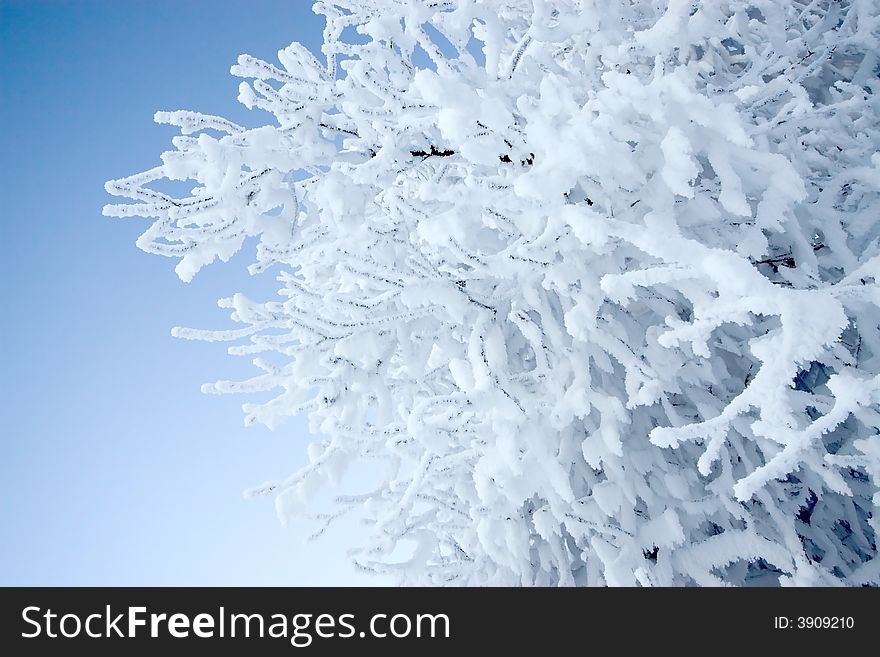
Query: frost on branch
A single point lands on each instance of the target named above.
(597, 282)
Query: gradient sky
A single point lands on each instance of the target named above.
(116, 470)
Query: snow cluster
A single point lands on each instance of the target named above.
(595, 281)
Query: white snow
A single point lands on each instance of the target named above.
(597, 284)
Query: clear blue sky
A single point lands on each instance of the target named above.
(116, 470)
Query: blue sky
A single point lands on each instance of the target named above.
(116, 470)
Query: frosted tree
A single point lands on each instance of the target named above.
(596, 282)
